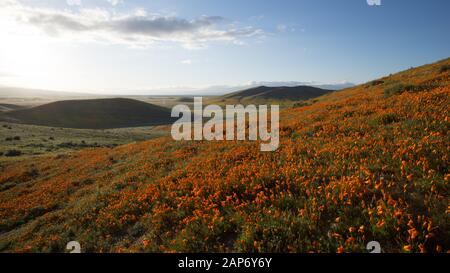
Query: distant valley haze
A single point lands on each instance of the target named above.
(218, 90)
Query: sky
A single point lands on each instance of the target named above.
(166, 46)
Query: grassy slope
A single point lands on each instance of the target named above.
(285, 96)
(39, 140)
(355, 166)
(288, 93)
(93, 114)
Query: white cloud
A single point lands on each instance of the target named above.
(136, 29)
(281, 28)
(187, 61)
(257, 18)
(115, 2)
(73, 2)
(285, 28)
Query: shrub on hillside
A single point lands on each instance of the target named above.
(11, 153)
(300, 104)
(400, 88)
(389, 118)
(394, 90)
(376, 82)
(444, 68)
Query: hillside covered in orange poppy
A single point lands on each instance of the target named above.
(368, 163)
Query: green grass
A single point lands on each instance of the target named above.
(400, 88)
(31, 140)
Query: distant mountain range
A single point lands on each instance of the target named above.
(217, 90)
(220, 90)
(333, 86)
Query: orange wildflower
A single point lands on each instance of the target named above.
(407, 248)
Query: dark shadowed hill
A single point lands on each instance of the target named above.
(92, 114)
(264, 93)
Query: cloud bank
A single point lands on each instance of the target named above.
(138, 28)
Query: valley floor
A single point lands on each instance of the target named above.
(20, 141)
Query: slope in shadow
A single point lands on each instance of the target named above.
(278, 93)
(92, 114)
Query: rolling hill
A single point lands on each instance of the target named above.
(362, 164)
(279, 93)
(92, 114)
(266, 94)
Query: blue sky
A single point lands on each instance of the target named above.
(163, 46)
